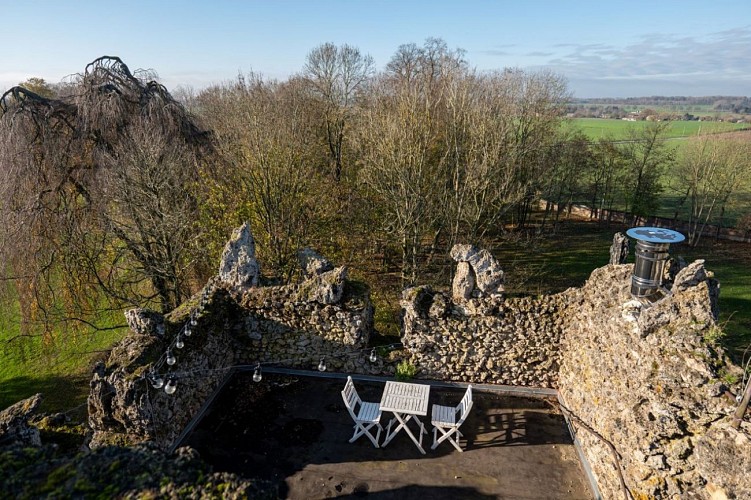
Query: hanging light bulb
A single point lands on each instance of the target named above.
(188, 332)
(193, 321)
(373, 356)
(156, 381)
(171, 386)
(322, 365)
(171, 360)
(179, 343)
(257, 376)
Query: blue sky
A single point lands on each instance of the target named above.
(604, 48)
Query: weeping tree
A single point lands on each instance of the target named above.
(98, 194)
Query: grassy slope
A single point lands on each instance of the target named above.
(57, 365)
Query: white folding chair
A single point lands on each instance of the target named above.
(366, 415)
(444, 419)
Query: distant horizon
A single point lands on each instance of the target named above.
(635, 48)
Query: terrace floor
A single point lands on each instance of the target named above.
(294, 431)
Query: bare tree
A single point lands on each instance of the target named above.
(571, 162)
(396, 136)
(606, 178)
(647, 156)
(710, 171)
(498, 126)
(335, 75)
(268, 142)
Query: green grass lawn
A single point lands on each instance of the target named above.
(57, 365)
(601, 128)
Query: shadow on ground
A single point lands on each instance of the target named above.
(59, 393)
(295, 431)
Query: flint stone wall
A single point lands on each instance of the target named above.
(286, 329)
(511, 341)
(649, 382)
(284, 325)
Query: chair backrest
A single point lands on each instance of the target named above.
(464, 406)
(350, 397)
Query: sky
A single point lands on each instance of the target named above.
(604, 48)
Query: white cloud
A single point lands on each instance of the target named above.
(717, 63)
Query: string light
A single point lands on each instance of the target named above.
(258, 365)
(156, 381)
(171, 386)
(187, 331)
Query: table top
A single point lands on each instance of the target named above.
(403, 397)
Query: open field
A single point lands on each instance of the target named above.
(601, 128)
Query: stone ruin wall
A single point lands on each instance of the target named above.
(494, 340)
(285, 330)
(241, 324)
(477, 335)
(125, 409)
(645, 380)
(648, 381)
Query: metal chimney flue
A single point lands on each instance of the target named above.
(652, 245)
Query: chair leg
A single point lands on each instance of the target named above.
(446, 434)
(456, 443)
(361, 429)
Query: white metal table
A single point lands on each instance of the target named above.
(406, 401)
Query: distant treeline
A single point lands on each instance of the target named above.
(718, 104)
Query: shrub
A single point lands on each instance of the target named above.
(405, 370)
